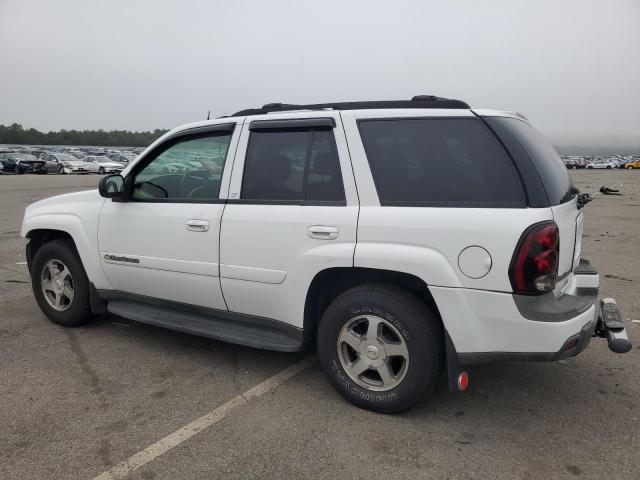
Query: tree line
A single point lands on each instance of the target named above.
(17, 134)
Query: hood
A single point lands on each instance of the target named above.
(61, 200)
(31, 160)
(112, 164)
(75, 163)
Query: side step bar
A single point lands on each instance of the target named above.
(247, 330)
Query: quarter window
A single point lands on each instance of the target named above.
(292, 165)
(439, 162)
(190, 169)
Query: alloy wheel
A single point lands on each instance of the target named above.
(57, 285)
(373, 353)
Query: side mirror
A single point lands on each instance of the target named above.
(111, 186)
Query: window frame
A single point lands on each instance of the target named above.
(310, 126)
(179, 137)
(439, 203)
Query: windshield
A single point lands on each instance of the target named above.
(65, 157)
(103, 159)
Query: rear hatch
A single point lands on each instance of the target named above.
(552, 175)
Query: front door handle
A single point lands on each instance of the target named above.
(197, 225)
(323, 232)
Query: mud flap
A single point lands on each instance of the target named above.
(458, 378)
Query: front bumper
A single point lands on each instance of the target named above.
(30, 168)
(75, 170)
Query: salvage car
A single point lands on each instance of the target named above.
(632, 164)
(102, 164)
(64, 163)
(20, 163)
(401, 238)
(602, 164)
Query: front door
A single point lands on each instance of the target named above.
(163, 241)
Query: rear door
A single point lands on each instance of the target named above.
(292, 212)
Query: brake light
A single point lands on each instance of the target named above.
(534, 267)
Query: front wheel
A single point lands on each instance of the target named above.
(381, 347)
(101, 171)
(60, 284)
(61, 170)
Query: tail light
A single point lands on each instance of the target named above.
(534, 267)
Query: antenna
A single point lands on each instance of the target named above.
(208, 114)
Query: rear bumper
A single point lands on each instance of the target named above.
(486, 326)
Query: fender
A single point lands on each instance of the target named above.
(82, 227)
(429, 265)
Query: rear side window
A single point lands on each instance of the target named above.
(449, 162)
(299, 166)
(546, 160)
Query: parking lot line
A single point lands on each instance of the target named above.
(174, 439)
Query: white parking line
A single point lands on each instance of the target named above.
(176, 438)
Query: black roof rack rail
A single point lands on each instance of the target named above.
(419, 101)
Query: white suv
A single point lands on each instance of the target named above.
(400, 237)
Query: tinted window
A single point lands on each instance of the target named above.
(294, 165)
(439, 162)
(190, 169)
(546, 160)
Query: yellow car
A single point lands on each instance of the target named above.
(632, 164)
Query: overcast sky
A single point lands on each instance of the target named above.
(572, 67)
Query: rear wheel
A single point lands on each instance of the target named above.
(381, 347)
(101, 171)
(60, 284)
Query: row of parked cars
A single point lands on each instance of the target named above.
(626, 161)
(20, 160)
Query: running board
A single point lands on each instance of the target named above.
(247, 330)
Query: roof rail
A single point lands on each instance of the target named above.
(419, 101)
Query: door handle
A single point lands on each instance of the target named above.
(197, 225)
(323, 232)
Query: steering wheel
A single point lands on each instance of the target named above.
(192, 182)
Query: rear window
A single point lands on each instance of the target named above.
(293, 165)
(446, 162)
(546, 160)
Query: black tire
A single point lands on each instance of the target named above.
(608, 166)
(79, 310)
(61, 170)
(101, 170)
(420, 330)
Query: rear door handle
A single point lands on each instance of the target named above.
(197, 225)
(323, 232)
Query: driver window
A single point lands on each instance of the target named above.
(190, 169)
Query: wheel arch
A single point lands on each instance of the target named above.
(39, 236)
(332, 282)
(38, 232)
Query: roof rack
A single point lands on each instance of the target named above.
(419, 101)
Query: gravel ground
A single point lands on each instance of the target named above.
(75, 402)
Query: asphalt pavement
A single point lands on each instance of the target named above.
(74, 403)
